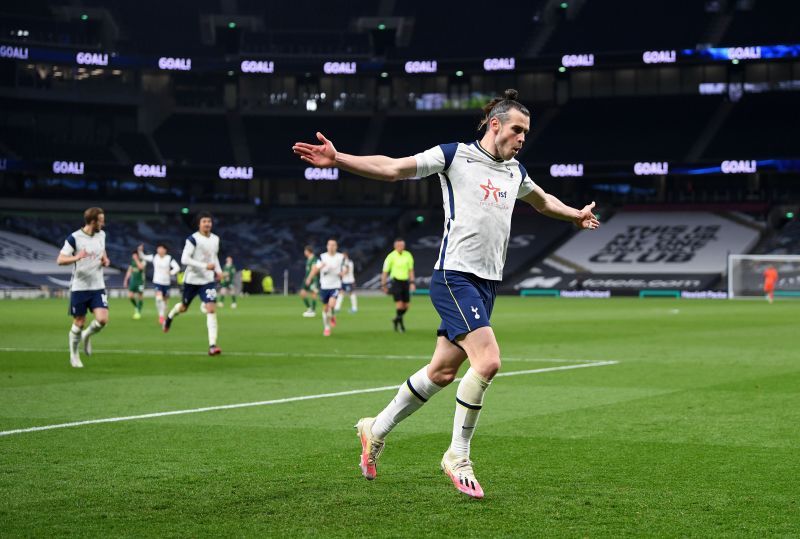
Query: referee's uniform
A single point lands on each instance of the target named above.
(399, 265)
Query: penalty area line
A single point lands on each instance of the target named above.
(279, 401)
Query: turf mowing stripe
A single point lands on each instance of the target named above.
(280, 401)
(277, 354)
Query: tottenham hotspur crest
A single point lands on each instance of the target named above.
(475, 312)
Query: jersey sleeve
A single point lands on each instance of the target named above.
(188, 251)
(387, 264)
(527, 185)
(175, 267)
(436, 159)
(410, 261)
(69, 246)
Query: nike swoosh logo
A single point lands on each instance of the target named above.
(471, 160)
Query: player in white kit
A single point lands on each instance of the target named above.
(86, 250)
(480, 182)
(164, 268)
(329, 267)
(348, 284)
(201, 258)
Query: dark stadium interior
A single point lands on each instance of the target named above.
(693, 112)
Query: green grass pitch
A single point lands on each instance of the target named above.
(694, 432)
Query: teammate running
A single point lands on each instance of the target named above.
(86, 250)
(348, 284)
(200, 256)
(329, 268)
(164, 267)
(480, 181)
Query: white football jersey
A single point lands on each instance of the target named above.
(87, 273)
(330, 266)
(164, 267)
(198, 252)
(349, 276)
(478, 193)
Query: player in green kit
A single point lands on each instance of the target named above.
(227, 285)
(310, 289)
(134, 280)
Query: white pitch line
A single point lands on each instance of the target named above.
(288, 355)
(278, 401)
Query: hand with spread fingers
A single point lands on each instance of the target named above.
(586, 219)
(319, 155)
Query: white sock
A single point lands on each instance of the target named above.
(353, 301)
(161, 306)
(339, 301)
(93, 328)
(211, 322)
(469, 400)
(413, 393)
(325, 320)
(74, 340)
(176, 310)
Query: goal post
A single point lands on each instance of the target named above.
(746, 275)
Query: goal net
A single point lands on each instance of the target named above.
(747, 274)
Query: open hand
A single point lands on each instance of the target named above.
(586, 219)
(319, 155)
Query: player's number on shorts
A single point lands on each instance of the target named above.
(211, 294)
(104, 299)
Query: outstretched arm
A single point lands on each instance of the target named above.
(549, 205)
(376, 167)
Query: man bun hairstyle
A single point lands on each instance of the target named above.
(499, 107)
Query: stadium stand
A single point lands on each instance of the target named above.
(270, 244)
(49, 130)
(759, 126)
(463, 35)
(786, 241)
(412, 133)
(136, 147)
(597, 28)
(195, 138)
(270, 137)
(615, 129)
(765, 23)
